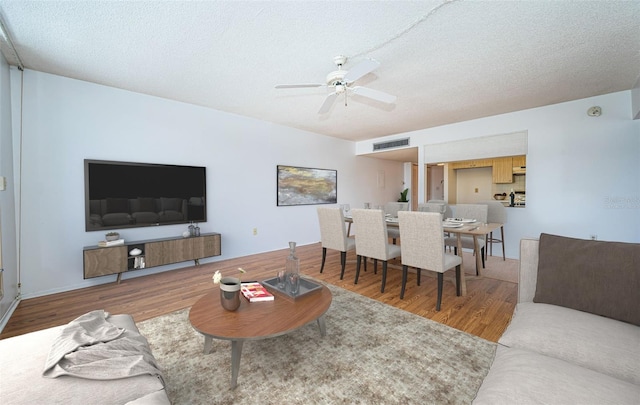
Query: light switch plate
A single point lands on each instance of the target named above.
(3, 183)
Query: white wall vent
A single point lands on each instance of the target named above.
(391, 144)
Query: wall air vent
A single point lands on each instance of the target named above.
(391, 144)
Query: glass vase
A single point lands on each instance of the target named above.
(292, 270)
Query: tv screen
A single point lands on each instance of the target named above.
(125, 195)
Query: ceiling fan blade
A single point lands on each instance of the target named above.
(298, 86)
(328, 102)
(361, 69)
(374, 94)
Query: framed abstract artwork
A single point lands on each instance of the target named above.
(306, 186)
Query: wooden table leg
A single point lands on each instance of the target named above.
(463, 279)
(476, 249)
(349, 230)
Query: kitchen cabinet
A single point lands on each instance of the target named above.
(502, 171)
(470, 164)
(520, 160)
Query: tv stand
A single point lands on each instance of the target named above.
(103, 261)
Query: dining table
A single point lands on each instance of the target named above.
(459, 228)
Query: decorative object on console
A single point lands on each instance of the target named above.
(109, 243)
(111, 236)
(138, 262)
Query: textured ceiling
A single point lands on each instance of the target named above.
(446, 62)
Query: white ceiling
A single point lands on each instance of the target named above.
(446, 62)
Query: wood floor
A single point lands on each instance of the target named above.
(485, 311)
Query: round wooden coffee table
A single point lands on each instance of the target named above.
(255, 320)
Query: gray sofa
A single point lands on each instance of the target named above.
(575, 334)
(122, 211)
(23, 359)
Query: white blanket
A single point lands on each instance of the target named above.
(93, 348)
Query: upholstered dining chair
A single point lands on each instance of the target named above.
(433, 207)
(423, 248)
(372, 241)
(469, 211)
(333, 235)
(448, 213)
(496, 213)
(392, 208)
(436, 206)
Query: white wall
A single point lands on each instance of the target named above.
(67, 121)
(583, 173)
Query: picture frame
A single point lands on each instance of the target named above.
(306, 186)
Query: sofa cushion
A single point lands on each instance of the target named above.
(170, 204)
(145, 217)
(592, 276)
(121, 218)
(25, 355)
(170, 216)
(595, 342)
(146, 204)
(522, 377)
(116, 205)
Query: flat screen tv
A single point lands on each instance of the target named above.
(125, 195)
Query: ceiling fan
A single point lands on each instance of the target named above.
(341, 80)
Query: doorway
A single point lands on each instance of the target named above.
(435, 182)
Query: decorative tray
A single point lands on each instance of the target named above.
(306, 287)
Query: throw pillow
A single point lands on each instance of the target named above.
(116, 205)
(598, 277)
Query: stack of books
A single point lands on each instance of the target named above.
(117, 242)
(255, 292)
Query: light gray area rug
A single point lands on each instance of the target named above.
(373, 354)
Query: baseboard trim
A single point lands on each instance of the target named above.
(10, 311)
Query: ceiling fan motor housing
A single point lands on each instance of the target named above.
(336, 77)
